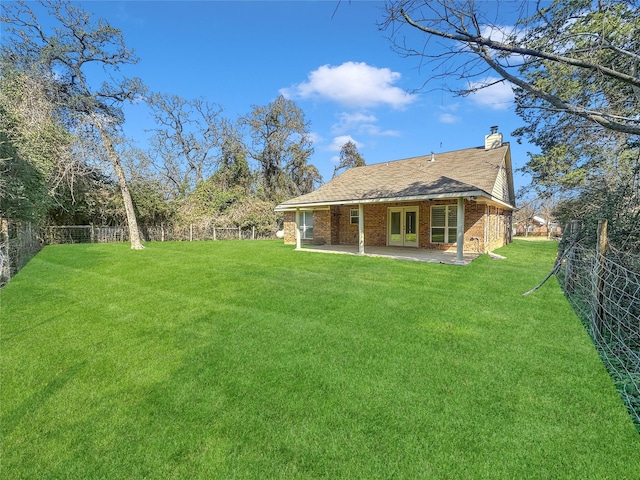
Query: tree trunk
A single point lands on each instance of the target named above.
(132, 222)
(5, 266)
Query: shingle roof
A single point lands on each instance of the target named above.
(461, 171)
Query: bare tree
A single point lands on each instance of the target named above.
(184, 144)
(30, 123)
(302, 176)
(524, 216)
(349, 158)
(76, 46)
(233, 167)
(574, 58)
(280, 136)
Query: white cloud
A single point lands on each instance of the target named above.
(501, 33)
(505, 34)
(315, 138)
(339, 141)
(352, 121)
(448, 118)
(451, 107)
(447, 113)
(498, 96)
(361, 123)
(376, 131)
(353, 84)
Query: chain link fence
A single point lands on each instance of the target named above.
(603, 286)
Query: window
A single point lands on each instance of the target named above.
(354, 215)
(306, 225)
(444, 224)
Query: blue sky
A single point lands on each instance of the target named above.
(336, 65)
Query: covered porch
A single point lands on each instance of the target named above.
(418, 208)
(397, 253)
(393, 232)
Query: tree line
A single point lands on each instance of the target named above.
(574, 68)
(66, 159)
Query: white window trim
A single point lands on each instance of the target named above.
(303, 226)
(446, 225)
(354, 214)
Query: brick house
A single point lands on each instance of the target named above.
(458, 201)
(538, 226)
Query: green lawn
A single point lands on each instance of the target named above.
(249, 360)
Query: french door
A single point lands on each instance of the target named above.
(402, 230)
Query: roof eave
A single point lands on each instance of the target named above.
(439, 196)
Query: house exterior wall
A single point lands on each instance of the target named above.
(289, 228)
(501, 187)
(497, 228)
(343, 232)
(474, 221)
(536, 230)
(486, 227)
(322, 227)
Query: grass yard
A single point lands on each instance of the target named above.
(251, 360)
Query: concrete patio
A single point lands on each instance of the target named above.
(397, 253)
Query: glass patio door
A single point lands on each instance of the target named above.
(403, 227)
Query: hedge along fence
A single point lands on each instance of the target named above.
(20, 241)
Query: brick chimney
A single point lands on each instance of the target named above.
(493, 140)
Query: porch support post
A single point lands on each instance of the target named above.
(360, 229)
(298, 235)
(460, 233)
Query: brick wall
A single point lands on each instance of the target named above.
(322, 227)
(485, 226)
(290, 228)
(474, 218)
(343, 232)
(497, 228)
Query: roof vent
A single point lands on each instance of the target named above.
(493, 140)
